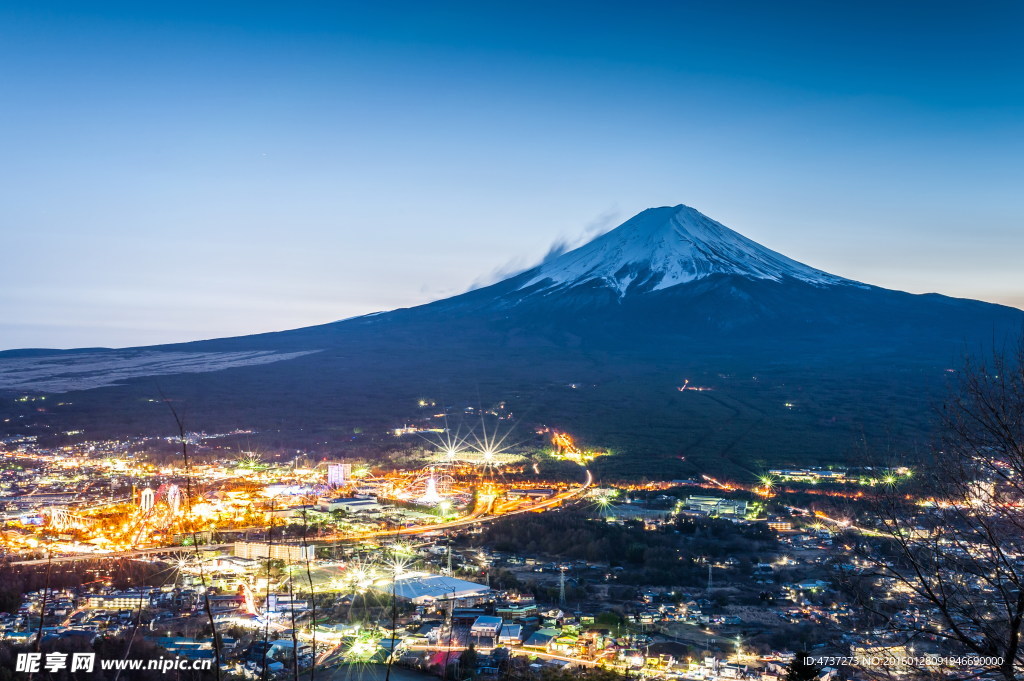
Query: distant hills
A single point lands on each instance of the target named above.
(797, 365)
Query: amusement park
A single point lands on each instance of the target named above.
(462, 478)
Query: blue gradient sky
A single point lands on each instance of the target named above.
(174, 171)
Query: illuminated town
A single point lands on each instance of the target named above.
(303, 563)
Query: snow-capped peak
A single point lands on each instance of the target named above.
(667, 246)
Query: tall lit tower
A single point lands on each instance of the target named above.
(338, 474)
(147, 500)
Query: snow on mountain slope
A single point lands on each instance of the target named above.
(62, 372)
(664, 247)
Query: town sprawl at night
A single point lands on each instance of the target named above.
(344, 341)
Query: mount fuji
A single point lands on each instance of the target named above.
(606, 341)
(665, 247)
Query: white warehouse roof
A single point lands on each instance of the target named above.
(421, 587)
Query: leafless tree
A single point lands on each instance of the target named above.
(312, 590)
(187, 463)
(948, 564)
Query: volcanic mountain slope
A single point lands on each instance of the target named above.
(664, 247)
(800, 365)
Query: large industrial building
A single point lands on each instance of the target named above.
(422, 588)
(716, 506)
(352, 505)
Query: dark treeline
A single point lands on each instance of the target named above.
(16, 580)
(671, 554)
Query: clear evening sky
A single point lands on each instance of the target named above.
(186, 170)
